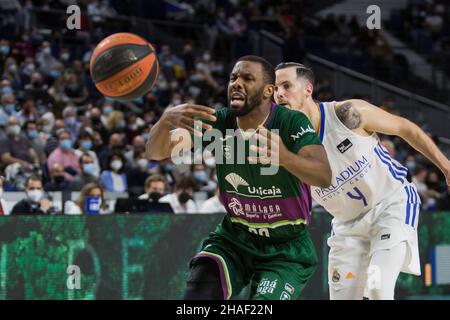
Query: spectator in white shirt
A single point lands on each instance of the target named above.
(181, 200)
(155, 187)
(213, 205)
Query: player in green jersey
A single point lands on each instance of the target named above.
(263, 239)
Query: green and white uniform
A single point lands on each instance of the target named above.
(263, 237)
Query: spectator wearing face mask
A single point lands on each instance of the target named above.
(98, 122)
(181, 200)
(45, 125)
(65, 155)
(88, 173)
(32, 134)
(35, 203)
(11, 72)
(70, 122)
(52, 141)
(138, 147)
(45, 58)
(155, 188)
(17, 149)
(3, 208)
(202, 179)
(114, 179)
(8, 108)
(38, 90)
(115, 144)
(85, 145)
(28, 111)
(91, 191)
(139, 172)
(58, 180)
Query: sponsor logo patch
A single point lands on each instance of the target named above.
(336, 276)
(344, 145)
(386, 236)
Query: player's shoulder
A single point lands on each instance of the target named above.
(284, 112)
(285, 115)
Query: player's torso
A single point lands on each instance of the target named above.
(363, 171)
(269, 205)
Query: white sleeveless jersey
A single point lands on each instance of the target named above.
(363, 172)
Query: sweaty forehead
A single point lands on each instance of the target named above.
(247, 67)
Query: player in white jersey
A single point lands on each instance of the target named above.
(375, 207)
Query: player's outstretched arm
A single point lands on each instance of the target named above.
(160, 144)
(374, 119)
(310, 165)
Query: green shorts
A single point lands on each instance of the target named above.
(276, 270)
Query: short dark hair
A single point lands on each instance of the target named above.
(302, 70)
(269, 72)
(185, 183)
(85, 154)
(33, 177)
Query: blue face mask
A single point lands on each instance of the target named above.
(200, 176)
(7, 90)
(10, 108)
(32, 134)
(86, 144)
(4, 50)
(70, 121)
(65, 144)
(55, 74)
(47, 128)
(145, 135)
(167, 167)
(107, 110)
(89, 168)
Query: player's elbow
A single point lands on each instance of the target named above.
(325, 177)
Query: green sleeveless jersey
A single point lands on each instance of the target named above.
(275, 206)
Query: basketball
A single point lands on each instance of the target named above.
(124, 66)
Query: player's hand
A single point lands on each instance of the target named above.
(184, 115)
(270, 149)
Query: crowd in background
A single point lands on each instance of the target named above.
(58, 134)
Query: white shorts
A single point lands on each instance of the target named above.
(390, 222)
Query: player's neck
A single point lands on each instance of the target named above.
(312, 111)
(255, 118)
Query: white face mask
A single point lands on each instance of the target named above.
(35, 195)
(142, 163)
(116, 164)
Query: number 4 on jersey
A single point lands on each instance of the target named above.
(359, 196)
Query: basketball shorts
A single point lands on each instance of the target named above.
(390, 222)
(276, 271)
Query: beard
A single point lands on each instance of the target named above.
(250, 103)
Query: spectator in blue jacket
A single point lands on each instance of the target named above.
(114, 179)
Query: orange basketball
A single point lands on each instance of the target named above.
(124, 66)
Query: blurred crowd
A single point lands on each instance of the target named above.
(424, 24)
(58, 134)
